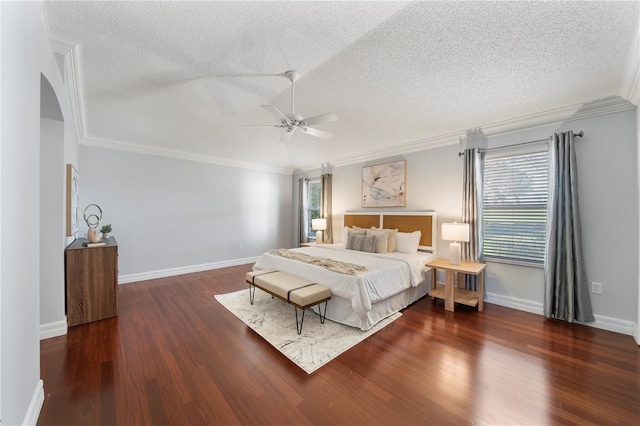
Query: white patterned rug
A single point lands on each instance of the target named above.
(275, 321)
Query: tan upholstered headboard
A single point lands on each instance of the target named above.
(361, 220)
(423, 221)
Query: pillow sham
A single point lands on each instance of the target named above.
(393, 238)
(408, 242)
(382, 239)
(391, 241)
(361, 243)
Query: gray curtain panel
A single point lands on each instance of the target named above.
(471, 210)
(325, 205)
(566, 290)
(303, 219)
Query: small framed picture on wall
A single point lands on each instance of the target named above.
(72, 200)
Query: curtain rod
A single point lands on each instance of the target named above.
(579, 134)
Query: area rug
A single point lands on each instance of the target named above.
(275, 321)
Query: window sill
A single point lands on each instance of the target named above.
(515, 262)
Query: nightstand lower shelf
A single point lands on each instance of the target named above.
(462, 296)
(449, 291)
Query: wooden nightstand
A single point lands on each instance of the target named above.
(310, 244)
(449, 292)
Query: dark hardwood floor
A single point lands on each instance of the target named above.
(176, 356)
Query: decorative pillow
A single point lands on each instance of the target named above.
(408, 242)
(361, 243)
(382, 239)
(346, 231)
(391, 240)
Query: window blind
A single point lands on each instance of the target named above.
(514, 215)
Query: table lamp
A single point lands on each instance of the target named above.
(319, 225)
(455, 232)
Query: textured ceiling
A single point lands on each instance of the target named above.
(185, 76)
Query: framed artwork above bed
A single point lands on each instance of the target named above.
(384, 185)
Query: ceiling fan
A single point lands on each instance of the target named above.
(293, 122)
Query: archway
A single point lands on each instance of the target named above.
(52, 204)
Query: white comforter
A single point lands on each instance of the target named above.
(386, 275)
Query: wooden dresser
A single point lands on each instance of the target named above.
(91, 281)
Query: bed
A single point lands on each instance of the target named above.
(391, 281)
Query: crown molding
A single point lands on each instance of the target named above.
(629, 98)
(419, 145)
(182, 155)
(546, 118)
(72, 52)
(629, 86)
(565, 114)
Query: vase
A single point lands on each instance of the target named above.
(93, 235)
(105, 235)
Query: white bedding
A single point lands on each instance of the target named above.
(387, 274)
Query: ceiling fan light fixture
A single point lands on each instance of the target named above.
(291, 122)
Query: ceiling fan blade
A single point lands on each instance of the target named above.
(276, 113)
(288, 133)
(315, 132)
(262, 125)
(322, 118)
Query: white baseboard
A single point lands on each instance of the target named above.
(53, 329)
(612, 324)
(33, 412)
(143, 276)
(515, 303)
(601, 321)
(636, 334)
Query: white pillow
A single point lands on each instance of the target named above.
(408, 242)
(346, 231)
(345, 234)
(382, 239)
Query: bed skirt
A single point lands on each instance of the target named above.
(340, 310)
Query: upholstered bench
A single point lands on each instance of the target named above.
(298, 292)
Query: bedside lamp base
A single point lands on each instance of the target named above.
(454, 253)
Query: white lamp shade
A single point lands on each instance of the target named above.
(319, 224)
(455, 231)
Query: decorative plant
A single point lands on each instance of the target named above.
(106, 228)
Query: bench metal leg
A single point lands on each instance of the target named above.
(323, 316)
(299, 327)
(252, 293)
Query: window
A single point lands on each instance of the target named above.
(514, 211)
(314, 189)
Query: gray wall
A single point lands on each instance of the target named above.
(636, 333)
(52, 222)
(608, 193)
(171, 214)
(26, 54)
